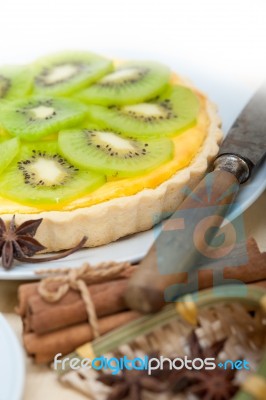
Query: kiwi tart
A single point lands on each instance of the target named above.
(99, 148)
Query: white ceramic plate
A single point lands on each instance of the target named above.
(230, 96)
(12, 371)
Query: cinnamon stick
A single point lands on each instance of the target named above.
(25, 291)
(253, 271)
(260, 283)
(42, 317)
(44, 347)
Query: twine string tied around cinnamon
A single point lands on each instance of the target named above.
(77, 279)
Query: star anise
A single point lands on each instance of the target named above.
(216, 384)
(18, 243)
(130, 383)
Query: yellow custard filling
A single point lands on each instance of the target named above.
(186, 146)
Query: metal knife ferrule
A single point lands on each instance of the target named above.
(235, 164)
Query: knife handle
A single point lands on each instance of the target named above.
(147, 286)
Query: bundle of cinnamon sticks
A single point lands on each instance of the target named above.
(62, 326)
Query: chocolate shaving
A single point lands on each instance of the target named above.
(18, 243)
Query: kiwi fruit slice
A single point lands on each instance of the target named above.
(15, 81)
(41, 176)
(8, 151)
(65, 73)
(131, 82)
(111, 153)
(35, 117)
(176, 109)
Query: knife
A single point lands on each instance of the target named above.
(242, 150)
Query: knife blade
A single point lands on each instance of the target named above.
(247, 136)
(242, 149)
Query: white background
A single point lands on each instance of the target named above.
(221, 45)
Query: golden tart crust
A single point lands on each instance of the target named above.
(110, 220)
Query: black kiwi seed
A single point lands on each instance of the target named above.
(112, 153)
(166, 107)
(41, 79)
(27, 109)
(175, 109)
(92, 140)
(138, 74)
(4, 86)
(31, 179)
(129, 83)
